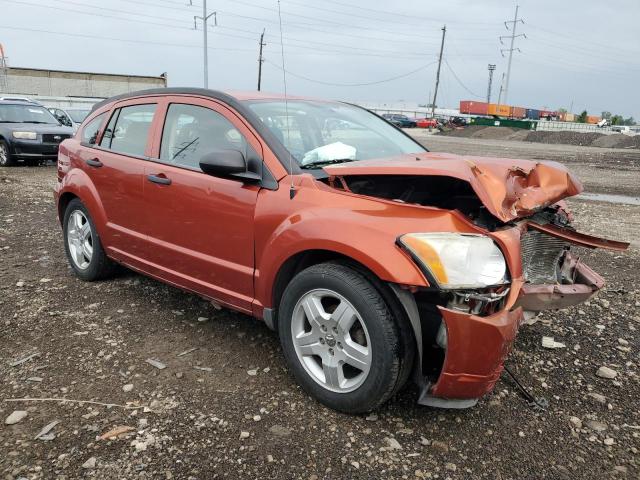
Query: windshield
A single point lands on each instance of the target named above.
(78, 115)
(319, 133)
(26, 114)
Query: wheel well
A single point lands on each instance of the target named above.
(298, 262)
(64, 200)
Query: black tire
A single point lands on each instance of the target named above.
(6, 159)
(387, 352)
(99, 266)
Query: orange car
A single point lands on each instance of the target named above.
(375, 260)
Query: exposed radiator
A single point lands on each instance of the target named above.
(541, 255)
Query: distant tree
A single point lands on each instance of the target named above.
(616, 120)
(629, 121)
(582, 118)
(606, 115)
(562, 110)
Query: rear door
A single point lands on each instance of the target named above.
(116, 167)
(201, 228)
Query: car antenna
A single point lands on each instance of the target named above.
(292, 190)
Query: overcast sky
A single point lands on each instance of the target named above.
(580, 52)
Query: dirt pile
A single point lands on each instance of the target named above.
(546, 137)
(563, 138)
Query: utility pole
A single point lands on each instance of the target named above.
(491, 69)
(501, 89)
(260, 59)
(435, 93)
(513, 37)
(204, 19)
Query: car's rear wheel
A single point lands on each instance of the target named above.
(5, 155)
(82, 244)
(340, 340)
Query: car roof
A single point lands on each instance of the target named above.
(232, 97)
(19, 102)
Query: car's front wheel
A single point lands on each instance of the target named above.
(5, 155)
(82, 244)
(340, 339)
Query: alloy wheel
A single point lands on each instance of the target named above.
(4, 154)
(79, 239)
(331, 340)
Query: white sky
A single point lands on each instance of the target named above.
(581, 51)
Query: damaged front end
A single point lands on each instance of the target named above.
(464, 331)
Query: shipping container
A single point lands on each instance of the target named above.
(593, 119)
(518, 112)
(569, 117)
(548, 114)
(472, 107)
(533, 114)
(499, 110)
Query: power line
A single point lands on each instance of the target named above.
(313, 80)
(460, 81)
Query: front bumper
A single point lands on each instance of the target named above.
(477, 346)
(34, 150)
(475, 353)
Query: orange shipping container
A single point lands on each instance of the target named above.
(499, 110)
(518, 112)
(593, 119)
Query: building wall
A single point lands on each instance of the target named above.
(51, 83)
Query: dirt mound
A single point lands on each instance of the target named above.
(593, 139)
(563, 138)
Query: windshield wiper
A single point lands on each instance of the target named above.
(321, 163)
(9, 121)
(37, 121)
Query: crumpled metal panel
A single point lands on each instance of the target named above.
(508, 188)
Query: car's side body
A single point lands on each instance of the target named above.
(240, 243)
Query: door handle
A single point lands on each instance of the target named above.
(161, 180)
(94, 162)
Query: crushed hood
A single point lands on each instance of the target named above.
(508, 188)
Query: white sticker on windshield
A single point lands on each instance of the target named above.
(33, 110)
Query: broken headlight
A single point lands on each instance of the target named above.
(456, 260)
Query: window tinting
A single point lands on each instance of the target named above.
(191, 131)
(91, 129)
(128, 129)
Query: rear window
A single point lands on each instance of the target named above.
(128, 129)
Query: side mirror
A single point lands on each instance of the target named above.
(228, 164)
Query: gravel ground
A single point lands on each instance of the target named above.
(224, 406)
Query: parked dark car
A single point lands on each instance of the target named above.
(29, 133)
(399, 120)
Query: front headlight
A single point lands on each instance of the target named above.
(456, 260)
(25, 135)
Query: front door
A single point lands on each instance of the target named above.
(200, 227)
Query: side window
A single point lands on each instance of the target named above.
(191, 131)
(128, 129)
(91, 129)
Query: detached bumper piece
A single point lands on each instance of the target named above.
(474, 358)
(582, 284)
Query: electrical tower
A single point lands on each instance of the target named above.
(260, 59)
(205, 17)
(511, 48)
(491, 69)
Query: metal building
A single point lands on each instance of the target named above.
(59, 88)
